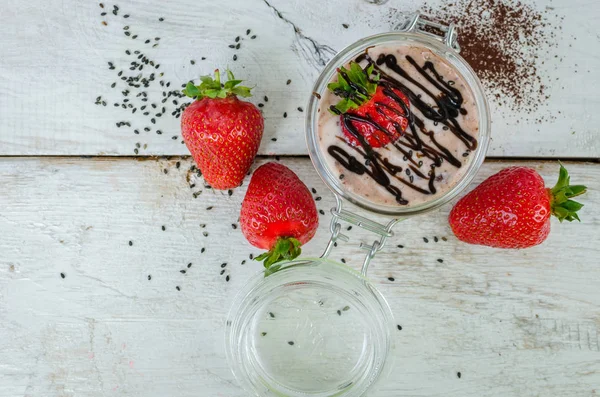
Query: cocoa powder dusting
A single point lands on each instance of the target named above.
(503, 41)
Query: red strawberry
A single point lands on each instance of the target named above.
(512, 208)
(222, 133)
(278, 213)
(372, 103)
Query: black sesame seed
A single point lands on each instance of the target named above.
(163, 228)
(231, 45)
(399, 327)
(342, 176)
(253, 37)
(174, 137)
(274, 139)
(260, 105)
(266, 98)
(182, 271)
(425, 239)
(222, 272)
(177, 288)
(205, 234)
(400, 246)
(288, 82)
(62, 275)
(227, 278)
(237, 39)
(247, 32)
(321, 212)
(440, 260)
(230, 192)
(345, 25)
(113, 85)
(234, 226)
(318, 198)
(149, 277)
(166, 171)
(300, 109)
(343, 260)
(202, 250)
(102, 13)
(263, 333)
(435, 239)
(209, 208)
(284, 115)
(458, 374)
(271, 314)
(189, 265)
(243, 262)
(339, 312)
(101, 5)
(391, 279)
(237, 47)
(130, 243)
(161, 19)
(223, 264)
(126, 16)
(235, 57)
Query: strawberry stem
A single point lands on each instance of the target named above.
(561, 194)
(354, 85)
(285, 248)
(212, 88)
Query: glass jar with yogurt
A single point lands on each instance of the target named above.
(319, 328)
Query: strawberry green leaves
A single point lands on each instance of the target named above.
(212, 88)
(354, 85)
(284, 249)
(561, 194)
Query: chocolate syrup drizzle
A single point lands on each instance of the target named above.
(448, 106)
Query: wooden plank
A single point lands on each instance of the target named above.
(513, 323)
(54, 54)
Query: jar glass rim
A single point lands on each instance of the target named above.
(349, 53)
(303, 271)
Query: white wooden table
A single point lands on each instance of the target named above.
(74, 202)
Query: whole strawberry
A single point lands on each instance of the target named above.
(278, 214)
(222, 133)
(512, 209)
